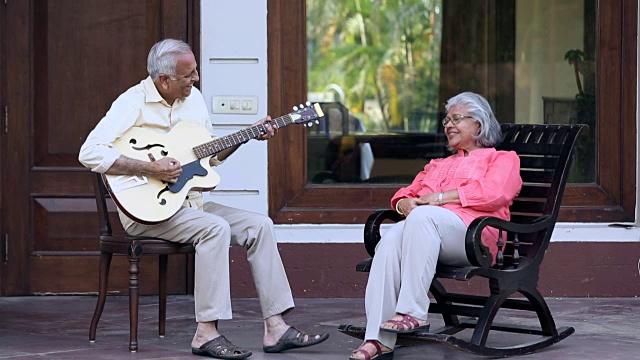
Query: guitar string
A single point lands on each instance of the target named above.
(186, 155)
(227, 139)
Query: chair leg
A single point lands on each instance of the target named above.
(542, 310)
(440, 294)
(105, 264)
(488, 313)
(162, 289)
(133, 303)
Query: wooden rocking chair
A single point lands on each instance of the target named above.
(545, 153)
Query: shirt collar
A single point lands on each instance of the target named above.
(153, 95)
(477, 152)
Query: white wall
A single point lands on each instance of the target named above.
(234, 62)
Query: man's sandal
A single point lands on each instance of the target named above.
(379, 355)
(221, 348)
(294, 338)
(408, 325)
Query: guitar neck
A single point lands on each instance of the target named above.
(219, 144)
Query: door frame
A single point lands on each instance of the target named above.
(17, 98)
(3, 150)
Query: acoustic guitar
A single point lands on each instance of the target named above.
(151, 201)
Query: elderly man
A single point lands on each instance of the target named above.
(159, 102)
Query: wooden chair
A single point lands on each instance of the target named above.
(134, 247)
(545, 152)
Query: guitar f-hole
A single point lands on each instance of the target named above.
(146, 147)
(162, 201)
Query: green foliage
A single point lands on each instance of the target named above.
(385, 51)
(574, 56)
(576, 59)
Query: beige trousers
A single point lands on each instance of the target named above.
(212, 230)
(405, 263)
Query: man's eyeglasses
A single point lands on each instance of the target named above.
(189, 76)
(455, 119)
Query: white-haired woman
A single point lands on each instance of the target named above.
(443, 199)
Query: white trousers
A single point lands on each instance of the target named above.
(405, 263)
(212, 230)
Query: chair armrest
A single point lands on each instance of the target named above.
(478, 254)
(372, 227)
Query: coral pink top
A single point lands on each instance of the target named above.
(487, 181)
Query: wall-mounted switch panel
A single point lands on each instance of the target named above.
(235, 105)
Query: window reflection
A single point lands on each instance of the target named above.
(383, 70)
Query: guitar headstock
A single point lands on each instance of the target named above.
(307, 114)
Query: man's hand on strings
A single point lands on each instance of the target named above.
(269, 129)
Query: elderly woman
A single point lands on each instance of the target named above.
(477, 180)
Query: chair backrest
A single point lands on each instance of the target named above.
(545, 152)
(101, 202)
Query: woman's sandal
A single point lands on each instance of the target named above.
(221, 348)
(379, 355)
(408, 325)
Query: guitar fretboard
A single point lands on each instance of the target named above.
(225, 142)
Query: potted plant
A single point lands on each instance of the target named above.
(584, 113)
(576, 58)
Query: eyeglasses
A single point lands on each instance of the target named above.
(455, 119)
(189, 76)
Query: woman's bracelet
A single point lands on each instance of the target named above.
(398, 207)
(441, 198)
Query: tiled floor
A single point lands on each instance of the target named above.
(56, 327)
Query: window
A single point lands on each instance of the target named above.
(375, 69)
(501, 53)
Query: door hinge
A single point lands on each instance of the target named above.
(6, 248)
(5, 120)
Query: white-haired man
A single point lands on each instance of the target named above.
(159, 102)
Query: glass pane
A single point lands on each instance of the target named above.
(382, 72)
(555, 71)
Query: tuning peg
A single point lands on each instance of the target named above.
(295, 108)
(308, 103)
(317, 122)
(309, 124)
(301, 106)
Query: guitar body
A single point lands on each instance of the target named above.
(151, 201)
(148, 200)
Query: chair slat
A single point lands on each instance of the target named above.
(532, 149)
(530, 191)
(521, 206)
(536, 176)
(538, 162)
(522, 218)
